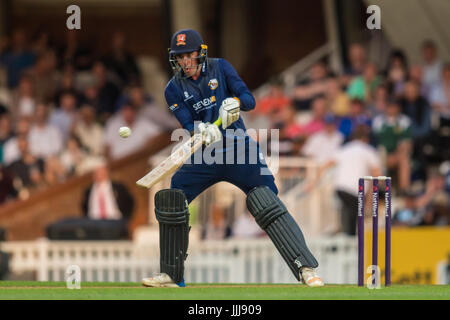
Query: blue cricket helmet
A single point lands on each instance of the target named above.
(185, 41)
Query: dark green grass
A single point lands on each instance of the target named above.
(120, 291)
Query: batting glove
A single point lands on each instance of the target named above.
(229, 111)
(210, 132)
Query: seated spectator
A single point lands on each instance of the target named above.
(275, 100)
(11, 151)
(440, 97)
(107, 199)
(290, 131)
(357, 116)
(357, 63)
(64, 117)
(66, 84)
(432, 66)
(28, 170)
(432, 207)
(353, 160)
(45, 76)
(107, 91)
(321, 146)
(397, 72)
(147, 108)
(45, 139)
(392, 131)
(142, 132)
(75, 53)
(363, 87)
(73, 157)
(5, 132)
(120, 61)
(23, 102)
(17, 58)
(316, 124)
(88, 131)
(380, 101)
(338, 101)
(416, 107)
(7, 190)
(316, 84)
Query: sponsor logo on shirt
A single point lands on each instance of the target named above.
(187, 96)
(173, 107)
(213, 84)
(204, 104)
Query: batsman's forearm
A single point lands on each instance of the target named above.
(247, 101)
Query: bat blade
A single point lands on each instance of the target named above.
(171, 163)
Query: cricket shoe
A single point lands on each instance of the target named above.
(162, 280)
(310, 277)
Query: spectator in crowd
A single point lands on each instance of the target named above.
(392, 132)
(45, 139)
(88, 131)
(11, 151)
(357, 63)
(380, 101)
(353, 160)
(329, 137)
(363, 87)
(432, 207)
(17, 58)
(41, 42)
(315, 85)
(7, 190)
(274, 101)
(146, 107)
(24, 99)
(120, 61)
(66, 84)
(216, 227)
(107, 199)
(142, 132)
(65, 116)
(316, 124)
(440, 97)
(432, 66)
(5, 132)
(397, 72)
(416, 74)
(357, 116)
(107, 91)
(75, 54)
(290, 132)
(74, 158)
(28, 170)
(45, 76)
(337, 100)
(416, 107)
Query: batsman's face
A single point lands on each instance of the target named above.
(188, 62)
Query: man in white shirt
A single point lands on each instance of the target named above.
(353, 161)
(322, 145)
(432, 66)
(11, 150)
(45, 139)
(142, 130)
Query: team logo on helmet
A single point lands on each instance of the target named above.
(181, 39)
(213, 84)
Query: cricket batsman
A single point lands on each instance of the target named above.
(202, 90)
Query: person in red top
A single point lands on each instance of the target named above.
(274, 101)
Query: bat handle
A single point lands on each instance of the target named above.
(218, 122)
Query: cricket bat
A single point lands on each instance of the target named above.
(174, 161)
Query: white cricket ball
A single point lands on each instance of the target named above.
(124, 132)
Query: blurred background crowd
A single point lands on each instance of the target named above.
(401, 110)
(61, 107)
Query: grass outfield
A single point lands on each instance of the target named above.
(13, 290)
